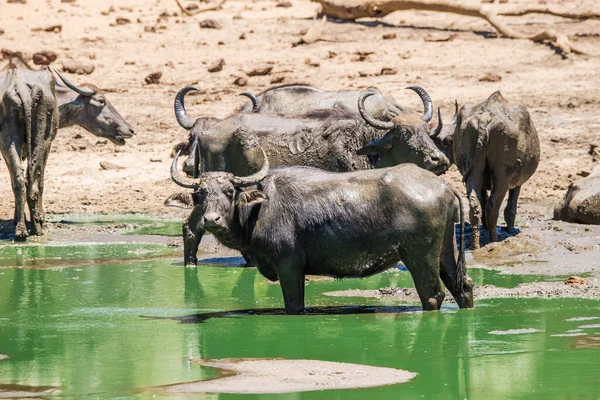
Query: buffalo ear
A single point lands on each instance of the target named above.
(376, 147)
(181, 200)
(251, 197)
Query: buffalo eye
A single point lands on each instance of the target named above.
(101, 101)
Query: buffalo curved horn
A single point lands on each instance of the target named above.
(427, 103)
(254, 178)
(179, 179)
(455, 112)
(184, 120)
(438, 128)
(384, 125)
(82, 91)
(253, 99)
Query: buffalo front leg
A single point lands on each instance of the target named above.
(492, 208)
(473, 192)
(290, 271)
(463, 291)
(192, 235)
(510, 212)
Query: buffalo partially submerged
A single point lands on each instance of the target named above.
(294, 221)
(581, 202)
(27, 129)
(496, 148)
(332, 139)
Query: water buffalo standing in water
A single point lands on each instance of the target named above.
(288, 101)
(28, 125)
(332, 139)
(496, 148)
(295, 221)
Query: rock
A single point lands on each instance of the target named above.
(75, 67)
(581, 202)
(388, 71)
(490, 77)
(44, 57)
(389, 36)
(1, 31)
(17, 1)
(210, 24)
(284, 4)
(150, 29)
(312, 63)
(277, 79)
(217, 66)
(67, 1)
(240, 81)
(576, 280)
(153, 78)
(54, 28)
(260, 71)
(108, 165)
(123, 21)
(155, 160)
(242, 36)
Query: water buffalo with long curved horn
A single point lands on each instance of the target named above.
(332, 139)
(294, 221)
(496, 147)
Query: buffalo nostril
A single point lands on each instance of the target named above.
(131, 131)
(217, 219)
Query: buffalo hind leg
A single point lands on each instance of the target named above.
(425, 271)
(290, 270)
(492, 208)
(17, 177)
(449, 271)
(510, 212)
(474, 184)
(483, 198)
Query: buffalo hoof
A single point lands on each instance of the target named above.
(20, 234)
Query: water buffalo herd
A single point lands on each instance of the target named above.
(305, 181)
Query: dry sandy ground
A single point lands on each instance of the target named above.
(563, 95)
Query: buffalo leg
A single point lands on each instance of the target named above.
(474, 184)
(483, 198)
(449, 270)
(290, 271)
(17, 177)
(493, 208)
(192, 235)
(510, 212)
(425, 272)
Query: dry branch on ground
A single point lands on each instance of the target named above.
(353, 9)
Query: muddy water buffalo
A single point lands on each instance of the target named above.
(85, 106)
(581, 202)
(294, 221)
(295, 100)
(28, 122)
(333, 140)
(496, 148)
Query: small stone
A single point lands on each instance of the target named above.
(243, 36)
(17, 1)
(54, 28)
(210, 24)
(312, 63)
(123, 21)
(153, 78)
(332, 54)
(217, 66)
(106, 165)
(277, 79)
(220, 43)
(240, 81)
(284, 4)
(67, 1)
(388, 71)
(490, 77)
(155, 160)
(44, 57)
(389, 36)
(576, 280)
(1, 31)
(150, 29)
(260, 71)
(75, 67)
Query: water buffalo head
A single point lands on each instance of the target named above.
(89, 108)
(223, 195)
(443, 136)
(407, 139)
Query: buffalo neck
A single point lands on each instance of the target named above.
(66, 99)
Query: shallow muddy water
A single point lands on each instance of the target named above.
(111, 330)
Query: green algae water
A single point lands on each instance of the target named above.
(105, 331)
